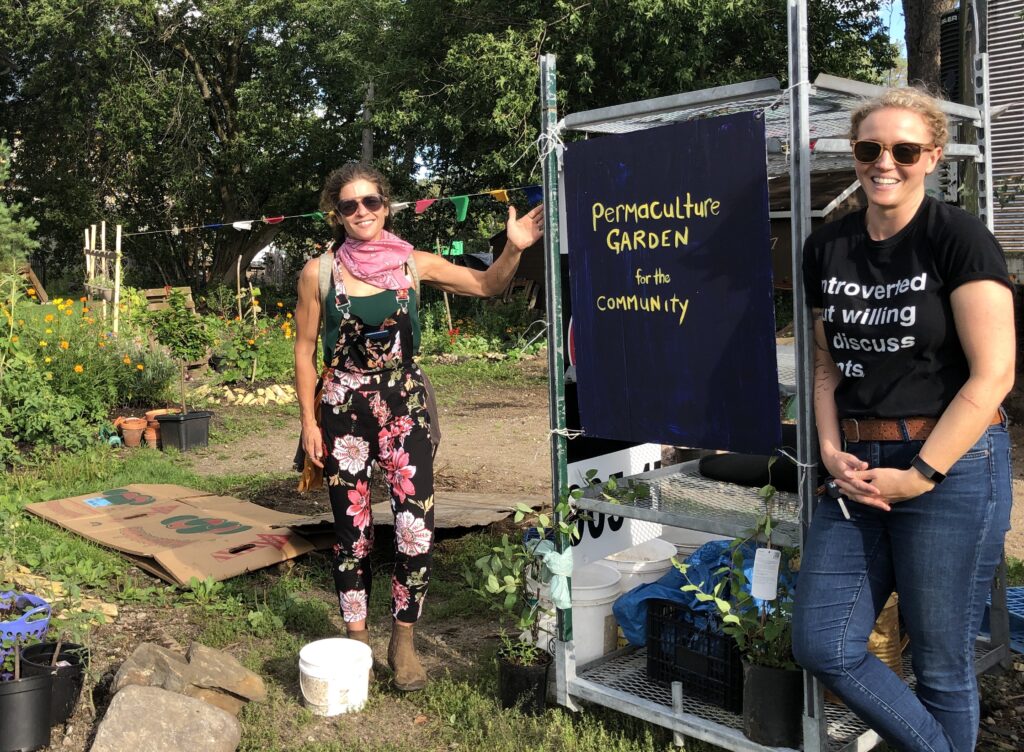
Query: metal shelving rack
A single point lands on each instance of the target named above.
(806, 127)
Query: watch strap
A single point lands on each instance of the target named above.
(927, 470)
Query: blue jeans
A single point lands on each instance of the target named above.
(939, 551)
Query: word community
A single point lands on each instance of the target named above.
(644, 304)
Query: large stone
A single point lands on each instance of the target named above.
(204, 673)
(155, 720)
(215, 669)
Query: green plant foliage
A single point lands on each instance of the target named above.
(15, 233)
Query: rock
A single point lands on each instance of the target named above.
(155, 720)
(212, 676)
(215, 669)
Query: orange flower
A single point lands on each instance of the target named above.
(101, 344)
(14, 338)
(78, 368)
(85, 309)
(67, 311)
(280, 304)
(48, 318)
(82, 299)
(64, 344)
(139, 367)
(31, 292)
(126, 360)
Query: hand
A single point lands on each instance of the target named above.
(854, 478)
(891, 486)
(313, 444)
(524, 231)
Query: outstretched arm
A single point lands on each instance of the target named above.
(522, 232)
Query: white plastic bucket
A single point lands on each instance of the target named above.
(644, 562)
(334, 675)
(687, 541)
(595, 588)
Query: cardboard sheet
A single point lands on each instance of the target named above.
(177, 533)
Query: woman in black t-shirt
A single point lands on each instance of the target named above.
(914, 354)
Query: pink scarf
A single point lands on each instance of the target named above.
(376, 262)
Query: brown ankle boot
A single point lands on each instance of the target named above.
(363, 636)
(409, 674)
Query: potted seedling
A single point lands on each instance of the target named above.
(24, 700)
(66, 662)
(184, 334)
(509, 580)
(762, 629)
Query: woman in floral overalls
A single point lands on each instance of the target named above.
(373, 405)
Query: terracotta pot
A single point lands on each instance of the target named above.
(152, 437)
(151, 414)
(132, 436)
(132, 424)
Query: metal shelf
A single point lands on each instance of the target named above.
(619, 681)
(679, 497)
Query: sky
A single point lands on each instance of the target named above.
(891, 14)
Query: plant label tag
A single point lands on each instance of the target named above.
(765, 581)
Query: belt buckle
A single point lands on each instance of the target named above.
(857, 424)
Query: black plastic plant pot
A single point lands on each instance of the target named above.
(185, 431)
(525, 687)
(67, 679)
(773, 705)
(25, 713)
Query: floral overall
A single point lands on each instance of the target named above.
(374, 411)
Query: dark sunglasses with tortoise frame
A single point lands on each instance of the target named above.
(373, 202)
(904, 153)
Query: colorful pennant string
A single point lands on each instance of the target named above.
(461, 207)
(534, 194)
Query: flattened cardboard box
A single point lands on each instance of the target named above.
(178, 533)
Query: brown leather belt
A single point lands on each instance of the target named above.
(882, 429)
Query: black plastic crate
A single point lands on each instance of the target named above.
(705, 661)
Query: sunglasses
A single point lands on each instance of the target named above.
(372, 203)
(903, 153)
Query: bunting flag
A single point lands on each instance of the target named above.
(461, 207)
(534, 195)
(455, 249)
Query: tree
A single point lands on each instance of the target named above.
(922, 37)
(178, 113)
(15, 233)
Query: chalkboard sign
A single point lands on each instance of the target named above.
(670, 267)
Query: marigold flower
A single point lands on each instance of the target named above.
(126, 360)
(48, 330)
(251, 341)
(58, 301)
(82, 299)
(78, 368)
(101, 344)
(48, 318)
(43, 343)
(85, 310)
(14, 338)
(67, 311)
(47, 359)
(288, 315)
(31, 292)
(64, 344)
(280, 304)
(139, 367)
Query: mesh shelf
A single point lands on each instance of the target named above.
(680, 498)
(626, 672)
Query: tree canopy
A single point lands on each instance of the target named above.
(177, 113)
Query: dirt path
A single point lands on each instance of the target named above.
(494, 439)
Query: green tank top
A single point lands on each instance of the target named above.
(371, 310)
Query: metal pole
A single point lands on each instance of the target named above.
(565, 667)
(815, 731)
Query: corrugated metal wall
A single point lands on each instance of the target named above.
(1006, 87)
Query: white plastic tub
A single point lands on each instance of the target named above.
(334, 675)
(644, 562)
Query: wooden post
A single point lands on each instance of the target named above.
(238, 286)
(117, 278)
(447, 307)
(92, 262)
(104, 266)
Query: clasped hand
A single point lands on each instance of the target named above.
(878, 487)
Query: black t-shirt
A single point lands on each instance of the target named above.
(886, 307)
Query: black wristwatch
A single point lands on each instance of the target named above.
(929, 472)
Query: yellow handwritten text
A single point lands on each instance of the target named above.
(621, 240)
(644, 303)
(677, 208)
